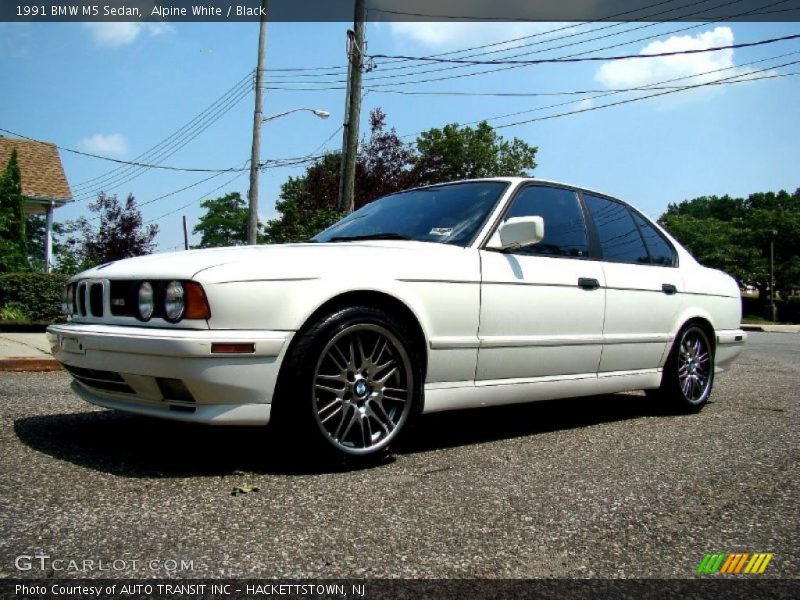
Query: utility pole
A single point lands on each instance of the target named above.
(185, 234)
(355, 54)
(255, 155)
(772, 308)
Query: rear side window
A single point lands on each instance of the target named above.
(661, 252)
(620, 240)
(564, 227)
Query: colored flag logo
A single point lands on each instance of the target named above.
(734, 563)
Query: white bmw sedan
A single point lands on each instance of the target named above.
(460, 295)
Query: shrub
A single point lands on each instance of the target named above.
(37, 294)
(14, 311)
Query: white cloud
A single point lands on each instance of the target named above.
(111, 144)
(116, 34)
(636, 72)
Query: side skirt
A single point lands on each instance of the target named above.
(472, 394)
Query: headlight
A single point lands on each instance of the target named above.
(69, 300)
(174, 301)
(146, 302)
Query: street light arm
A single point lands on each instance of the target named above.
(322, 114)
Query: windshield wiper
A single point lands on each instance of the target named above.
(370, 236)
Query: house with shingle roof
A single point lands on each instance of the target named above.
(44, 184)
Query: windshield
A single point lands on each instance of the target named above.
(446, 214)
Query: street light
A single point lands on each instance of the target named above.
(322, 114)
(252, 195)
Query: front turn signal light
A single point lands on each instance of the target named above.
(196, 301)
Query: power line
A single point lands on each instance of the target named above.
(342, 68)
(167, 195)
(495, 18)
(203, 197)
(727, 80)
(605, 91)
(127, 162)
(172, 143)
(128, 173)
(600, 58)
(651, 16)
(136, 171)
(315, 71)
(509, 67)
(142, 157)
(440, 78)
(643, 88)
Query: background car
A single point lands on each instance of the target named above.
(451, 296)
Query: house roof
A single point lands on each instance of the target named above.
(40, 166)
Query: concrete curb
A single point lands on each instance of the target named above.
(772, 328)
(29, 364)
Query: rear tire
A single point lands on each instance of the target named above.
(689, 371)
(350, 385)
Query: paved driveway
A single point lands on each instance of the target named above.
(604, 486)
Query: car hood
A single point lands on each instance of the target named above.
(295, 261)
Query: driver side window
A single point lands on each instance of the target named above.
(564, 227)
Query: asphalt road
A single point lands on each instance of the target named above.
(605, 487)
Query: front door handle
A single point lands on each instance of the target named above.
(588, 283)
(668, 288)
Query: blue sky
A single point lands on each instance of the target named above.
(119, 89)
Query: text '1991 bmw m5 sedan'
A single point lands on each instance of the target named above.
(467, 294)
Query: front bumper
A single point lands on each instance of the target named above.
(124, 368)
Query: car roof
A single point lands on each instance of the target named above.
(516, 180)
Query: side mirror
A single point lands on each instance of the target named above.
(518, 232)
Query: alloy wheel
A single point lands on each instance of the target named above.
(694, 366)
(363, 388)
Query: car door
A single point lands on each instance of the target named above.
(642, 286)
(542, 306)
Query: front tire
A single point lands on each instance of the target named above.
(352, 383)
(689, 372)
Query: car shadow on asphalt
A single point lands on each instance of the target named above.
(133, 446)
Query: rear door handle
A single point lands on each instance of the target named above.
(588, 283)
(668, 288)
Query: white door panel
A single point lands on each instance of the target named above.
(535, 319)
(639, 315)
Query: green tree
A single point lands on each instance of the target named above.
(734, 235)
(307, 204)
(462, 152)
(120, 233)
(224, 222)
(64, 260)
(13, 241)
(386, 164)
